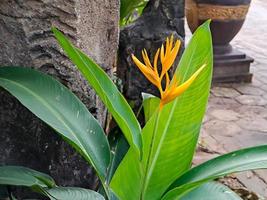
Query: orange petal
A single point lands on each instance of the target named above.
(149, 73)
(173, 93)
(172, 38)
(169, 47)
(143, 54)
(171, 58)
(146, 59)
(156, 62)
(162, 56)
(167, 80)
(143, 68)
(170, 88)
(168, 44)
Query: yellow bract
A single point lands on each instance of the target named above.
(167, 57)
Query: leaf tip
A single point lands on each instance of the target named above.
(54, 29)
(209, 21)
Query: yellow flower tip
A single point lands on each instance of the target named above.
(199, 70)
(133, 56)
(174, 91)
(162, 54)
(146, 59)
(172, 37)
(156, 62)
(178, 43)
(170, 57)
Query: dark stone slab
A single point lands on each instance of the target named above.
(232, 67)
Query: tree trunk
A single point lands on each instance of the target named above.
(26, 40)
(160, 19)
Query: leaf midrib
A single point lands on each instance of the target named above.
(56, 114)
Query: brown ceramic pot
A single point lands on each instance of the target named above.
(227, 17)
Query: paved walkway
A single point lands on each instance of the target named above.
(237, 113)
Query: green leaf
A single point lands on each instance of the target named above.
(71, 193)
(106, 90)
(62, 110)
(211, 191)
(119, 150)
(150, 105)
(22, 176)
(238, 161)
(127, 180)
(170, 143)
(128, 6)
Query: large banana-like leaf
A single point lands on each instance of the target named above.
(62, 110)
(171, 144)
(211, 191)
(22, 176)
(106, 90)
(170, 136)
(71, 193)
(241, 160)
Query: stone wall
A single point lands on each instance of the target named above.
(26, 40)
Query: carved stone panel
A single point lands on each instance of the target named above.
(26, 40)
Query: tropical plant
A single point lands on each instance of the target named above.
(149, 163)
(130, 10)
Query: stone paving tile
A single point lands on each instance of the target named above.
(250, 138)
(252, 100)
(222, 102)
(224, 92)
(253, 182)
(251, 111)
(253, 124)
(225, 115)
(237, 113)
(249, 89)
(262, 174)
(220, 128)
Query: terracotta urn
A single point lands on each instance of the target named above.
(227, 17)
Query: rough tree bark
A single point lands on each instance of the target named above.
(26, 40)
(161, 18)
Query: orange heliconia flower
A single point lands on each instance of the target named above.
(167, 57)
